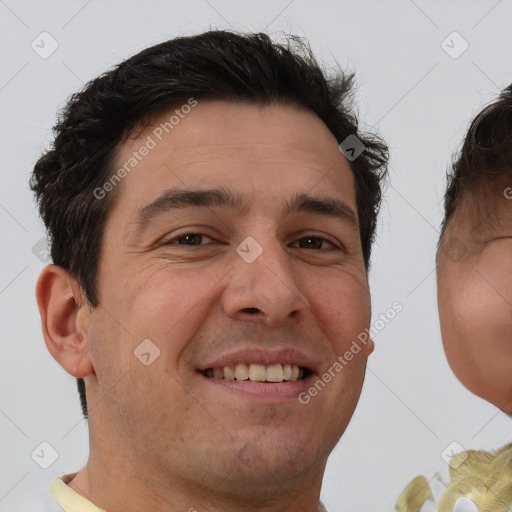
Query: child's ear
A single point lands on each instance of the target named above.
(61, 306)
(370, 347)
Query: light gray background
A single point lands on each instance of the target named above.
(420, 98)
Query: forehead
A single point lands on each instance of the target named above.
(484, 209)
(259, 150)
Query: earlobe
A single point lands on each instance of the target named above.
(60, 304)
(370, 347)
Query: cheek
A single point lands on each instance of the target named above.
(157, 303)
(476, 328)
(342, 308)
(161, 299)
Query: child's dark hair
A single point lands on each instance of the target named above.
(484, 162)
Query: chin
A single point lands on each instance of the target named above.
(280, 459)
(496, 396)
(504, 404)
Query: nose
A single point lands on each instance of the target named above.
(264, 290)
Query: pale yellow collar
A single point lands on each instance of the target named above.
(71, 501)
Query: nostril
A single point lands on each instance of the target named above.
(252, 310)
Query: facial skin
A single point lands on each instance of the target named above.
(164, 436)
(475, 300)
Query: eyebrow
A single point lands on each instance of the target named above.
(174, 199)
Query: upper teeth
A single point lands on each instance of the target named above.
(257, 372)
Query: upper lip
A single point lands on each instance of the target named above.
(265, 357)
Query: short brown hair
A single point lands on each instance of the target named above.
(484, 161)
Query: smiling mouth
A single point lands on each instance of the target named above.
(274, 373)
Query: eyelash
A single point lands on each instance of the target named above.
(182, 235)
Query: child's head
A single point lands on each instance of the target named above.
(474, 259)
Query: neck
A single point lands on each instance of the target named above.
(119, 493)
(129, 484)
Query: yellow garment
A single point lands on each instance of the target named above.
(482, 477)
(70, 500)
(414, 495)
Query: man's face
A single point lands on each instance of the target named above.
(192, 280)
(475, 300)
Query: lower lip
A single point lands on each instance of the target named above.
(285, 390)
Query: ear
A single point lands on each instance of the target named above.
(370, 347)
(64, 314)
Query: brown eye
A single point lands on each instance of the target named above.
(313, 242)
(189, 239)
